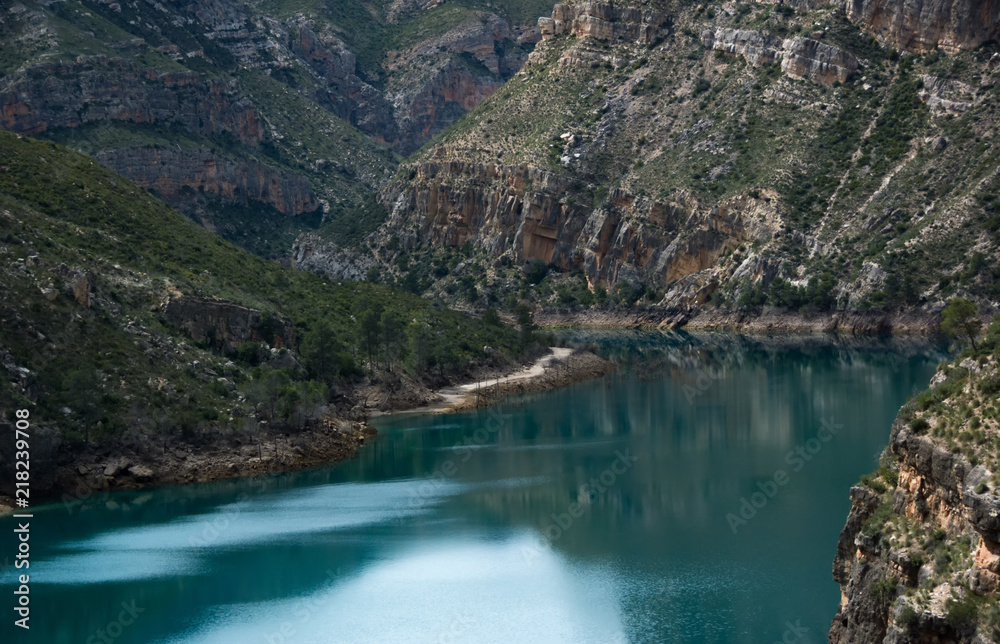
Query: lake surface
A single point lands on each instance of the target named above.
(593, 514)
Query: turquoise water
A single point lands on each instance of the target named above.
(597, 513)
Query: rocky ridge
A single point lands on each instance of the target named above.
(240, 81)
(738, 158)
(918, 559)
(951, 25)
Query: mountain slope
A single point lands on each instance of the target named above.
(729, 155)
(255, 118)
(125, 324)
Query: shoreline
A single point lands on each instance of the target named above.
(331, 440)
(561, 367)
(752, 323)
(79, 479)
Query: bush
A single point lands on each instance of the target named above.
(884, 590)
(872, 527)
(961, 613)
(919, 425)
(908, 618)
(990, 385)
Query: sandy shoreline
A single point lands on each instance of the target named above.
(559, 368)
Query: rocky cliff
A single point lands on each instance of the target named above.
(919, 557)
(520, 212)
(951, 25)
(173, 175)
(760, 155)
(227, 325)
(292, 109)
(605, 21)
(48, 96)
(799, 57)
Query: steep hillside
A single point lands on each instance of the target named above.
(127, 329)
(919, 558)
(259, 119)
(734, 155)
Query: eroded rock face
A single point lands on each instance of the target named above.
(604, 21)
(348, 96)
(437, 81)
(936, 487)
(167, 172)
(227, 325)
(445, 91)
(799, 57)
(430, 85)
(98, 88)
(521, 212)
(923, 26)
(312, 253)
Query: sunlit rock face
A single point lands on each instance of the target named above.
(950, 25)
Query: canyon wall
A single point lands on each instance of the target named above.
(167, 172)
(951, 25)
(919, 557)
(800, 58)
(521, 212)
(94, 89)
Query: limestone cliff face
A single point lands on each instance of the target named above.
(166, 172)
(521, 212)
(347, 94)
(922, 26)
(604, 21)
(449, 90)
(912, 555)
(311, 253)
(98, 88)
(430, 85)
(800, 58)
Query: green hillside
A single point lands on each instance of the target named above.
(117, 365)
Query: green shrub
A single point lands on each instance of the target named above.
(961, 613)
(908, 618)
(884, 590)
(873, 526)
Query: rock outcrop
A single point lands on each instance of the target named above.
(919, 557)
(226, 325)
(522, 212)
(431, 84)
(799, 57)
(311, 253)
(951, 25)
(347, 94)
(95, 89)
(168, 172)
(605, 21)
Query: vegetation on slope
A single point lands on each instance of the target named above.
(883, 188)
(910, 526)
(115, 366)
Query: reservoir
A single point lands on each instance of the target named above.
(694, 495)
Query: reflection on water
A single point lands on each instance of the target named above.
(530, 522)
